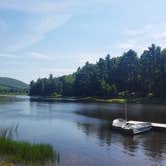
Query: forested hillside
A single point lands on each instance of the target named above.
(127, 75)
(10, 85)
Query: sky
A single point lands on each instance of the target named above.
(40, 37)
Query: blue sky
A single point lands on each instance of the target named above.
(39, 37)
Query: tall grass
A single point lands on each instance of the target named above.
(8, 132)
(25, 153)
(117, 101)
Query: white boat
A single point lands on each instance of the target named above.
(118, 123)
(137, 128)
(130, 128)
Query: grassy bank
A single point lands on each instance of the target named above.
(21, 152)
(13, 93)
(138, 100)
(29, 154)
(2, 98)
(74, 99)
(118, 101)
(147, 100)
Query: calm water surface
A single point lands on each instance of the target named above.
(81, 132)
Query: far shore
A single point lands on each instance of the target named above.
(136, 100)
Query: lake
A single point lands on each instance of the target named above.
(81, 132)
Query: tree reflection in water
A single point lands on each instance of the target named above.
(101, 131)
(152, 144)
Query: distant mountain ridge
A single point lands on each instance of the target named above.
(7, 83)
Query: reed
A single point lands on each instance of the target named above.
(21, 152)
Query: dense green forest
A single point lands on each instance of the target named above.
(123, 76)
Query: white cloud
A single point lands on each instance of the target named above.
(127, 45)
(159, 35)
(37, 55)
(141, 38)
(88, 57)
(139, 31)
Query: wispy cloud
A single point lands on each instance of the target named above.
(37, 6)
(79, 58)
(89, 30)
(140, 38)
(41, 18)
(127, 45)
(88, 57)
(38, 30)
(37, 55)
(6, 56)
(50, 6)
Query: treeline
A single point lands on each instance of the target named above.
(13, 91)
(124, 76)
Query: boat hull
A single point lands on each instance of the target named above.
(129, 128)
(131, 131)
(142, 130)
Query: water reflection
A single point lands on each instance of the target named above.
(106, 136)
(9, 132)
(101, 131)
(82, 133)
(153, 144)
(138, 112)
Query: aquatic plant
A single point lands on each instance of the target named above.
(25, 153)
(7, 132)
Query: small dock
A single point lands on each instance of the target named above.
(155, 126)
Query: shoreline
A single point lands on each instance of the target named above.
(131, 100)
(134, 100)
